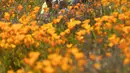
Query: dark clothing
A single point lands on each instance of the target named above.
(49, 3)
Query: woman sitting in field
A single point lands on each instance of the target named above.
(43, 17)
(61, 3)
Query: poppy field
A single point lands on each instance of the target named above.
(91, 37)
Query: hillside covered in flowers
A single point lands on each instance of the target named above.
(90, 37)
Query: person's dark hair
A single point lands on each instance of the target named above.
(49, 3)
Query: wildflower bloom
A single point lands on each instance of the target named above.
(97, 66)
(36, 9)
(73, 23)
(33, 56)
(10, 71)
(20, 7)
(7, 16)
(113, 40)
(126, 61)
(20, 71)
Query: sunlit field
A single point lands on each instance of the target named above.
(90, 37)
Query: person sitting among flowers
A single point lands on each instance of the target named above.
(62, 3)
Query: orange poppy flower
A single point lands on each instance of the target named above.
(115, 14)
(127, 22)
(6, 15)
(79, 55)
(92, 57)
(121, 16)
(20, 7)
(122, 44)
(108, 54)
(97, 66)
(39, 65)
(20, 71)
(126, 29)
(82, 62)
(74, 50)
(65, 67)
(55, 21)
(36, 9)
(48, 69)
(86, 21)
(126, 61)
(10, 71)
(69, 45)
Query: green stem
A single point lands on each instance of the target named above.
(94, 35)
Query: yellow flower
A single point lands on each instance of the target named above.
(92, 57)
(48, 69)
(105, 18)
(97, 19)
(33, 23)
(20, 71)
(81, 32)
(10, 71)
(79, 55)
(105, 2)
(6, 15)
(74, 50)
(62, 11)
(114, 40)
(57, 60)
(127, 22)
(69, 45)
(97, 66)
(108, 26)
(10, 40)
(36, 9)
(115, 14)
(33, 56)
(82, 62)
(108, 54)
(65, 67)
(39, 65)
(126, 61)
(13, 46)
(126, 29)
(73, 23)
(124, 8)
(16, 27)
(67, 31)
(25, 19)
(55, 21)
(24, 30)
(37, 44)
(46, 62)
(62, 34)
(86, 21)
(122, 44)
(80, 38)
(87, 27)
(124, 2)
(121, 16)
